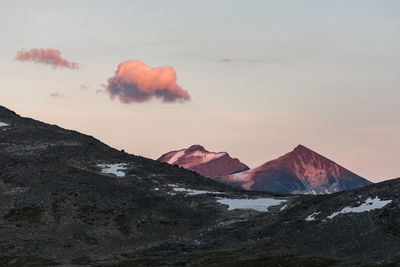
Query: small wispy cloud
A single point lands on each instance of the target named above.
(226, 60)
(47, 56)
(229, 59)
(57, 95)
(84, 86)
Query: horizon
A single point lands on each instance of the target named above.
(250, 168)
(322, 75)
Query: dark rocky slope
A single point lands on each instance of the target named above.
(57, 207)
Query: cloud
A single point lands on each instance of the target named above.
(226, 60)
(46, 56)
(56, 95)
(136, 82)
(232, 59)
(245, 60)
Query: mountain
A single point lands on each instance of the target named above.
(67, 199)
(206, 163)
(301, 171)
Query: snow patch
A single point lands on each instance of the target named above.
(207, 156)
(283, 207)
(311, 192)
(318, 191)
(116, 169)
(245, 178)
(176, 156)
(240, 176)
(194, 192)
(191, 192)
(259, 204)
(2, 124)
(368, 205)
(311, 217)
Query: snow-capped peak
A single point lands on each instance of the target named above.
(206, 163)
(198, 152)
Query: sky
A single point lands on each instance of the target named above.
(253, 78)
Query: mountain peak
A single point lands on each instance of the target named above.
(301, 149)
(196, 148)
(204, 162)
(299, 171)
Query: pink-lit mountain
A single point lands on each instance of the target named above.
(301, 171)
(206, 163)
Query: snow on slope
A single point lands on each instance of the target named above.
(192, 192)
(259, 204)
(176, 156)
(207, 156)
(311, 218)
(202, 157)
(245, 178)
(368, 205)
(116, 169)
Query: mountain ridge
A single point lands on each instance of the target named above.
(301, 171)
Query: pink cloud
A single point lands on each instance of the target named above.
(46, 56)
(136, 82)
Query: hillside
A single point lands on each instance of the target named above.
(68, 199)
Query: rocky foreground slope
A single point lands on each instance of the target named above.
(68, 199)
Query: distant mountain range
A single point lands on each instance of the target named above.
(301, 171)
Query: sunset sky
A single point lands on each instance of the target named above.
(253, 78)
